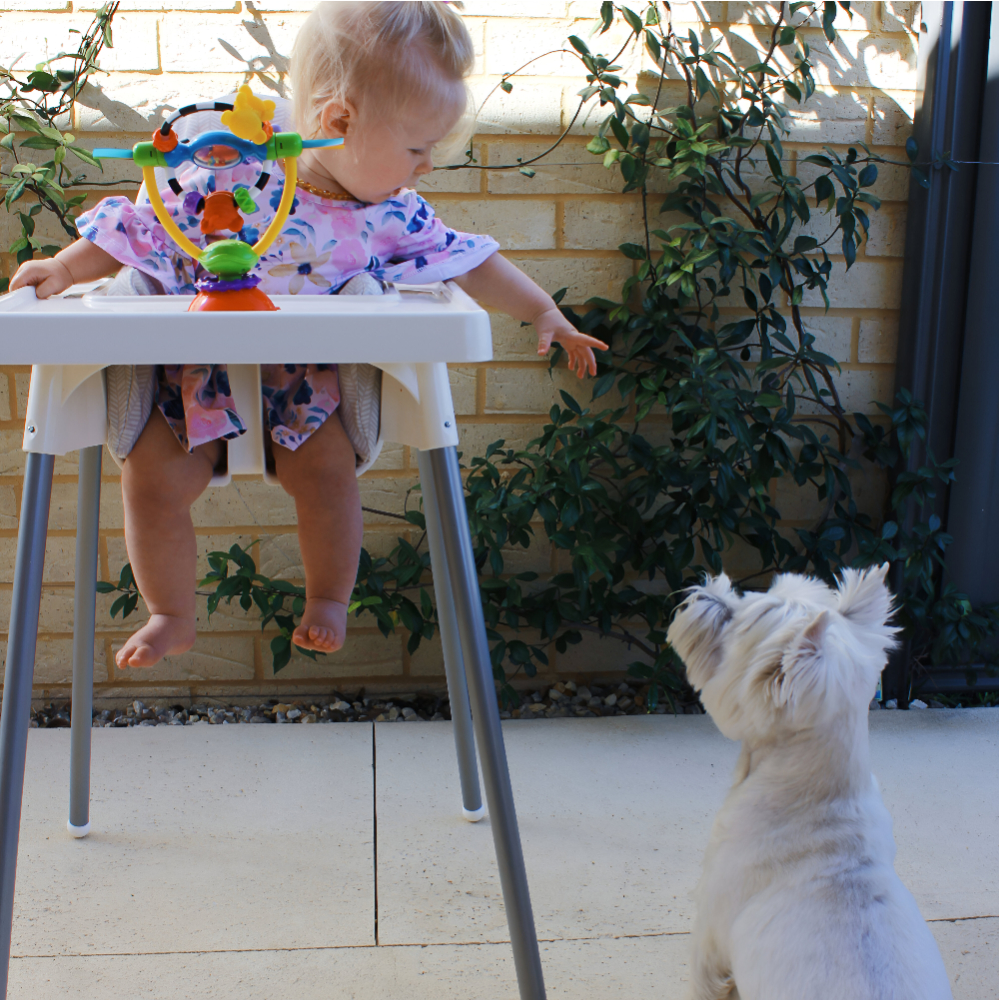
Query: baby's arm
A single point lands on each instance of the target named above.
(80, 262)
(499, 284)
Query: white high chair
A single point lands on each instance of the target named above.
(410, 336)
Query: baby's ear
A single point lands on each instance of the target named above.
(800, 683)
(865, 602)
(696, 629)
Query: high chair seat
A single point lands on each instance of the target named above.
(410, 334)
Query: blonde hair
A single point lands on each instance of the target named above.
(382, 56)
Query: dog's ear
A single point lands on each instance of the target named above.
(694, 632)
(800, 680)
(865, 602)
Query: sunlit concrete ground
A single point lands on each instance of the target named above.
(240, 861)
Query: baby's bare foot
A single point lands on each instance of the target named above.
(162, 635)
(324, 626)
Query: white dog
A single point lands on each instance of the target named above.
(799, 899)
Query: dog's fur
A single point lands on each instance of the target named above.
(799, 899)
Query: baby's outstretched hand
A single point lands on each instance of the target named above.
(49, 276)
(553, 326)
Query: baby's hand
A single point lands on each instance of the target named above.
(553, 326)
(50, 277)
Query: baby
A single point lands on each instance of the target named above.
(388, 78)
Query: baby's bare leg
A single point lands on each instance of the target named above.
(319, 474)
(160, 481)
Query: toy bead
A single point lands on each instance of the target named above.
(220, 213)
(165, 143)
(245, 202)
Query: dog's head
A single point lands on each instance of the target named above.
(787, 659)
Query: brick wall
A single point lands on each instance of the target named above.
(562, 227)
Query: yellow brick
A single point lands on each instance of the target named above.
(603, 225)
(532, 390)
(900, 15)
(462, 379)
(213, 658)
(893, 123)
(886, 233)
(582, 277)
(859, 390)
(4, 398)
(475, 438)
(192, 42)
(511, 341)
(595, 655)
(515, 225)
(8, 507)
(54, 660)
(533, 107)
(387, 495)
(867, 285)
(585, 173)
(60, 559)
(44, 36)
(427, 662)
(134, 104)
(830, 118)
(22, 380)
(362, 655)
(392, 456)
(877, 341)
(466, 181)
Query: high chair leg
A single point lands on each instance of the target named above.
(454, 667)
(18, 675)
(486, 717)
(88, 514)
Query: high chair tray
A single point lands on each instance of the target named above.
(408, 325)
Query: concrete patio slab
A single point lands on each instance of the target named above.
(214, 837)
(237, 862)
(613, 813)
(649, 968)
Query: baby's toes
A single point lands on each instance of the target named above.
(324, 638)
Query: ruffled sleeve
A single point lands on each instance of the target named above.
(133, 236)
(426, 249)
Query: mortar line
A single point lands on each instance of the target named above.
(342, 947)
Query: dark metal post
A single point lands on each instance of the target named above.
(18, 674)
(451, 646)
(952, 64)
(88, 515)
(486, 717)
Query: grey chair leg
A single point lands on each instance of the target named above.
(88, 515)
(486, 716)
(454, 667)
(18, 675)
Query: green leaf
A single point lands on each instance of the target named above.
(633, 251)
(579, 44)
(598, 145)
(911, 149)
(633, 19)
(803, 244)
(506, 86)
(527, 171)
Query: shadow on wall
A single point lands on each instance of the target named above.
(863, 58)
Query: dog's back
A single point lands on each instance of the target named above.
(799, 899)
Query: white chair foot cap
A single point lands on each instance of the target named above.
(77, 831)
(474, 815)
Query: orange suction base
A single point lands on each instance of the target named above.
(232, 300)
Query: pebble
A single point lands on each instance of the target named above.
(564, 699)
(917, 703)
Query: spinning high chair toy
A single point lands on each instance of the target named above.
(409, 334)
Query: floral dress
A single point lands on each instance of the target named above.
(323, 245)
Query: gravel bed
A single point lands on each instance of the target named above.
(563, 700)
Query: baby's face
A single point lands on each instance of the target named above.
(378, 158)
